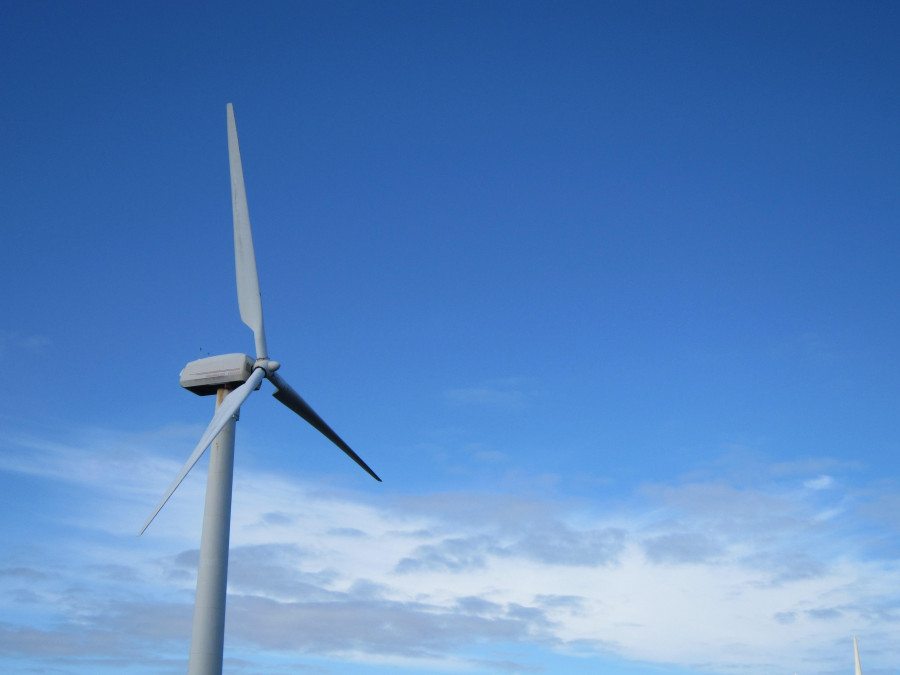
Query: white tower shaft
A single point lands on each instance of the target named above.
(208, 632)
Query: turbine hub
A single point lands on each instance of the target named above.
(268, 366)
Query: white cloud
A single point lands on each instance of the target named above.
(702, 575)
(822, 482)
(13, 343)
(505, 393)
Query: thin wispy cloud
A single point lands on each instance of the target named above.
(504, 393)
(14, 343)
(819, 483)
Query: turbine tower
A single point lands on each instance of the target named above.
(232, 378)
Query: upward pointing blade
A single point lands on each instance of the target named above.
(856, 656)
(292, 400)
(249, 299)
(228, 407)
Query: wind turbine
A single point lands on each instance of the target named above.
(232, 377)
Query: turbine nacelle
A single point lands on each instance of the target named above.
(206, 376)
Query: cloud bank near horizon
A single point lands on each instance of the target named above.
(709, 573)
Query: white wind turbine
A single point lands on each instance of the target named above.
(232, 377)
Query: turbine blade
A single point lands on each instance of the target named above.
(229, 406)
(856, 656)
(249, 300)
(292, 400)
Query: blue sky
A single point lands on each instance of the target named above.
(605, 292)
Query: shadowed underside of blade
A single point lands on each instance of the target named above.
(295, 402)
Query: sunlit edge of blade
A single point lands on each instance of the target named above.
(229, 406)
(286, 396)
